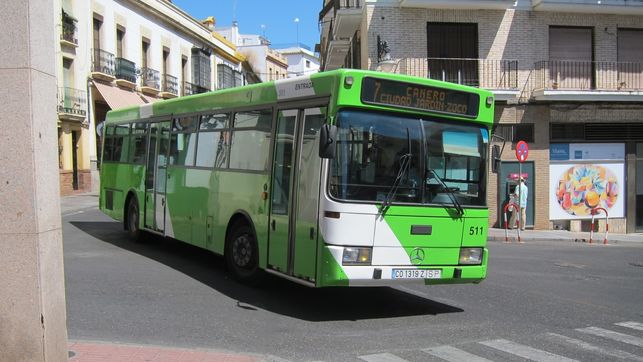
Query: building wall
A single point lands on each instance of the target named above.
(522, 35)
(138, 24)
(159, 21)
(296, 57)
(81, 62)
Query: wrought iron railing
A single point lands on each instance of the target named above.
(126, 69)
(348, 4)
(103, 62)
(485, 73)
(72, 101)
(339, 4)
(588, 75)
(170, 84)
(150, 78)
(199, 89)
(188, 88)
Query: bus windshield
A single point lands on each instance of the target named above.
(445, 158)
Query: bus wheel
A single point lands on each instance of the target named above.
(242, 254)
(132, 220)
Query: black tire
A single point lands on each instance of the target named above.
(133, 220)
(242, 254)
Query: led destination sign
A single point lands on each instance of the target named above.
(415, 96)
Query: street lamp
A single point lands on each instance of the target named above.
(384, 61)
(297, 24)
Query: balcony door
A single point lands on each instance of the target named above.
(630, 59)
(571, 58)
(452, 51)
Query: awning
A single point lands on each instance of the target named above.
(118, 98)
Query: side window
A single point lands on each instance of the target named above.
(183, 145)
(108, 143)
(214, 139)
(138, 143)
(211, 122)
(121, 143)
(250, 144)
(261, 119)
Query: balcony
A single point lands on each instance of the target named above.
(347, 15)
(618, 7)
(500, 76)
(170, 86)
(191, 88)
(150, 81)
(567, 80)
(125, 73)
(72, 104)
(340, 19)
(103, 65)
(459, 4)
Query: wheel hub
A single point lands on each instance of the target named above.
(242, 251)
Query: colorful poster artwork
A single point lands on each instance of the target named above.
(580, 188)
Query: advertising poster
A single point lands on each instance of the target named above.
(576, 188)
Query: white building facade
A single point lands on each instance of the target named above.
(115, 54)
(301, 61)
(265, 62)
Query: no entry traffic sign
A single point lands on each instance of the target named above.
(522, 151)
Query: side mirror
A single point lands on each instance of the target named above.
(495, 158)
(327, 140)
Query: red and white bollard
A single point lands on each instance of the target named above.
(595, 211)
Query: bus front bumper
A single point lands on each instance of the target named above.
(333, 273)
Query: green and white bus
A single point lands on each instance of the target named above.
(342, 178)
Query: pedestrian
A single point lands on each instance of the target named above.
(521, 194)
(513, 209)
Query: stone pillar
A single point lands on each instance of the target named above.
(32, 293)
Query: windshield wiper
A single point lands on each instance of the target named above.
(452, 196)
(405, 162)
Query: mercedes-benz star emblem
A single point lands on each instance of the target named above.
(417, 256)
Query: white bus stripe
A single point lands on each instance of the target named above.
(589, 347)
(382, 357)
(633, 325)
(616, 336)
(523, 351)
(453, 354)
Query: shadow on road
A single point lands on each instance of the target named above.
(274, 294)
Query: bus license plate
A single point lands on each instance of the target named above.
(417, 274)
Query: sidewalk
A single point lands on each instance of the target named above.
(78, 202)
(80, 351)
(562, 235)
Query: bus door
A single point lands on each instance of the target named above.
(155, 175)
(295, 192)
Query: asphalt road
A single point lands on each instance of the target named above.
(536, 297)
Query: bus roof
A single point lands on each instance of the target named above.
(323, 84)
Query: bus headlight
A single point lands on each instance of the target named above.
(356, 256)
(471, 256)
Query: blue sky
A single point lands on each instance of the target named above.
(278, 17)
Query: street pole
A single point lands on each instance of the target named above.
(520, 221)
